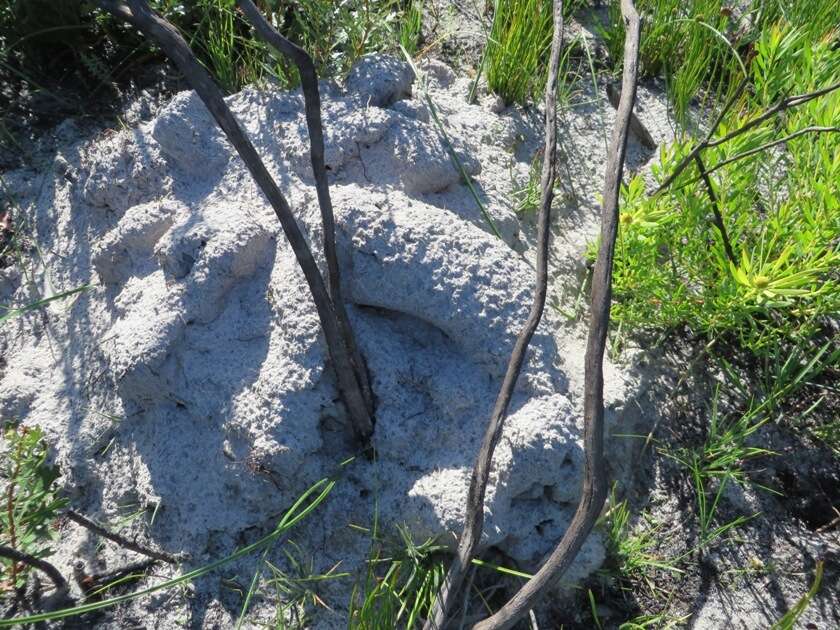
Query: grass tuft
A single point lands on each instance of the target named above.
(517, 48)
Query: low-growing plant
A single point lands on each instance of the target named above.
(30, 499)
(313, 497)
(780, 209)
(789, 619)
(294, 587)
(720, 460)
(632, 545)
(400, 585)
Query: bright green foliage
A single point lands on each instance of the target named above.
(400, 587)
(29, 500)
(410, 26)
(518, 48)
(781, 209)
(685, 41)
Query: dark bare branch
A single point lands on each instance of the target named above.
(138, 13)
(62, 588)
(682, 164)
(120, 540)
(474, 518)
(314, 124)
(764, 147)
(782, 105)
(727, 245)
(594, 491)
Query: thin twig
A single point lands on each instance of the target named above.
(119, 539)
(682, 164)
(727, 245)
(61, 586)
(764, 147)
(315, 127)
(474, 517)
(782, 105)
(785, 103)
(138, 13)
(594, 491)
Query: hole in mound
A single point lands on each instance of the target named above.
(811, 498)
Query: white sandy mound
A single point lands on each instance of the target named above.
(192, 378)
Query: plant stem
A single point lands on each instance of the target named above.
(474, 518)
(120, 540)
(594, 491)
(716, 209)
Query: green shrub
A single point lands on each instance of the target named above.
(44, 42)
(701, 46)
(781, 209)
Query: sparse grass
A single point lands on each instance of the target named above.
(410, 26)
(294, 587)
(632, 546)
(526, 195)
(788, 621)
(400, 585)
(307, 503)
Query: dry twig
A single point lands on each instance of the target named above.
(315, 127)
(594, 491)
(474, 518)
(120, 540)
(138, 13)
(62, 589)
(782, 105)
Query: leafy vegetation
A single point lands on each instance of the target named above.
(30, 501)
(702, 47)
(517, 48)
(780, 210)
(400, 585)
